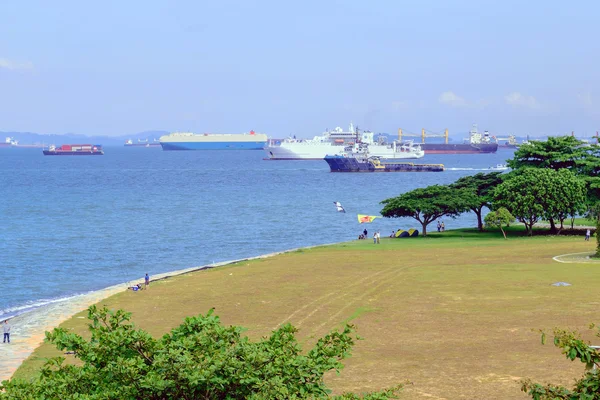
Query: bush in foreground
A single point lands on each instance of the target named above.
(585, 388)
(201, 359)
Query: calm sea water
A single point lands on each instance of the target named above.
(70, 225)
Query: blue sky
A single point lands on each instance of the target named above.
(120, 67)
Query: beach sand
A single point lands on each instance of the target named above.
(28, 330)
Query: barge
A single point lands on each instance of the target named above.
(345, 163)
(75, 150)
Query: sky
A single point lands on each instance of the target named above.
(300, 67)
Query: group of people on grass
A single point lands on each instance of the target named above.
(441, 227)
(365, 234)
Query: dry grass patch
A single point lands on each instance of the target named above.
(452, 314)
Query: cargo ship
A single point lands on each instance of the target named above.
(11, 142)
(213, 141)
(142, 143)
(337, 141)
(75, 150)
(357, 163)
(475, 143)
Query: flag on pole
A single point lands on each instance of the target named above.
(365, 219)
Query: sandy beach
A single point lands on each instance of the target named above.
(28, 330)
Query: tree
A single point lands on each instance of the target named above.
(426, 204)
(573, 347)
(555, 153)
(562, 152)
(201, 359)
(478, 193)
(499, 218)
(533, 194)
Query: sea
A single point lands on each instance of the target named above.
(73, 225)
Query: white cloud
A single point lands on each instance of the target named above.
(15, 65)
(451, 99)
(520, 100)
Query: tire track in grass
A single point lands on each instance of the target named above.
(342, 291)
(385, 280)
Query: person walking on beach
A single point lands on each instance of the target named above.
(587, 235)
(146, 281)
(6, 330)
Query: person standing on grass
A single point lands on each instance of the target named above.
(146, 281)
(6, 330)
(366, 233)
(439, 226)
(443, 227)
(587, 235)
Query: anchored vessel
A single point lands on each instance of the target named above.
(337, 141)
(475, 143)
(363, 162)
(142, 143)
(213, 141)
(12, 142)
(75, 150)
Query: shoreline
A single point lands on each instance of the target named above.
(28, 329)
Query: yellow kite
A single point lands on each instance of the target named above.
(366, 218)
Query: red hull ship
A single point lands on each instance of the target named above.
(75, 150)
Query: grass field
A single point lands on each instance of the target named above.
(455, 313)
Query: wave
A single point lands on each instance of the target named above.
(11, 312)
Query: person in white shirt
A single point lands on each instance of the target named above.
(6, 330)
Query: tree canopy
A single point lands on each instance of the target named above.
(555, 153)
(201, 359)
(536, 193)
(426, 204)
(499, 218)
(478, 192)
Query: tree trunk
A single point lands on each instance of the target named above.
(504, 233)
(552, 225)
(479, 221)
(424, 226)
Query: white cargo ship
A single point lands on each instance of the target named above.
(337, 142)
(213, 141)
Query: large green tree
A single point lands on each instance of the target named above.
(555, 153)
(201, 359)
(533, 194)
(573, 347)
(477, 192)
(426, 204)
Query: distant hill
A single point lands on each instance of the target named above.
(59, 139)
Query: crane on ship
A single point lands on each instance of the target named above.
(424, 134)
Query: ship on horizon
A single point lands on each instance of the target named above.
(12, 142)
(339, 141)
(213, 141)
(142, 143)
(474, 144)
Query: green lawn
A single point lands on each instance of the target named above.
(456, 313)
